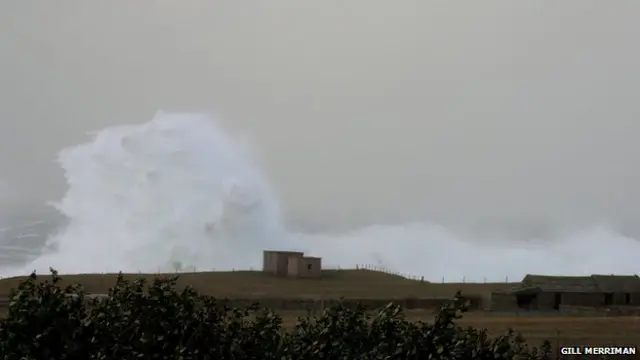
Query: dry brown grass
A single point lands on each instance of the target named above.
(333, 284)
(561, 331)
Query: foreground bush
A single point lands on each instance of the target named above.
(137, 321)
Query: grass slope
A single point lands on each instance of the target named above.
(332, 284)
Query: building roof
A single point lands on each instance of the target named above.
(559, 283)
(617, 283)
(592, 283)
(295, 253)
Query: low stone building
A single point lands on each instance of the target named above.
(545, 293)
(619, 290)
(291, 264)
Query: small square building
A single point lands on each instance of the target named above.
(291, 264)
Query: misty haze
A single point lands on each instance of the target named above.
(397, 133)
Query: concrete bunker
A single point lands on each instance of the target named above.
(291, 264)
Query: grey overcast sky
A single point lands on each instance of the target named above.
(363, 110)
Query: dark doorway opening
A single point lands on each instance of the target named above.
(526, 301)
(627, 299)
(557, 300)
(608, 299)
(308, 266)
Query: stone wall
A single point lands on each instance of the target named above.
(624, 311)
(305, 267)
(544, 301)
(302, 304)
(632, 299)
(277, 262)
(270, 262)
(583, 310)
(583, 298)
(616, 310)
(370, 304)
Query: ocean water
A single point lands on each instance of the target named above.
(180, 193)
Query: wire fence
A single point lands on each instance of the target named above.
(443, 279)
